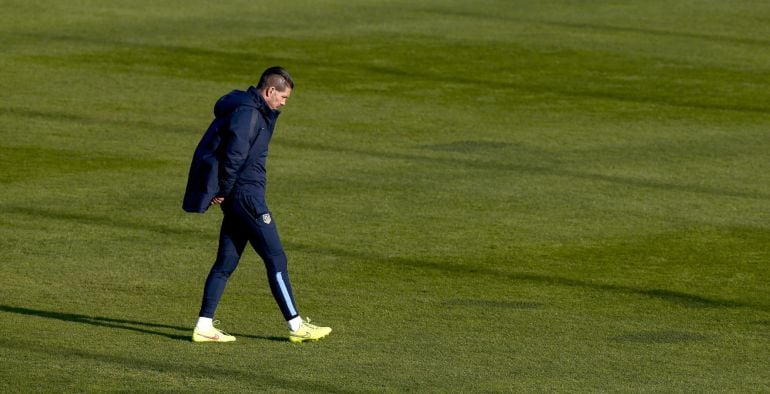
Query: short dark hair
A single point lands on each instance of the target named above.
(276, 77)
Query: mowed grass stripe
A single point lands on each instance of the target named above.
(636, 80)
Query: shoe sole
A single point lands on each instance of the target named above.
(300, 340)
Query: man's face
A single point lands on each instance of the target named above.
(276, 99)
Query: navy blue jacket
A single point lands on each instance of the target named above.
(232, 154)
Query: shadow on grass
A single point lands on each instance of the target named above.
(122, 324)
(526, 168)
(681, 298)
(483, 14)
(97, 220)
(493, 303)
(176, 373)
(651, 337)
(676, 297)
(79, 119)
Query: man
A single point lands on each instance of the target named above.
(237, 141)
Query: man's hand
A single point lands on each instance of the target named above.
(217, 200)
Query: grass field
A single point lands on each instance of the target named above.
(477, 196)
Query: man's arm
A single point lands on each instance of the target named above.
(236, 146)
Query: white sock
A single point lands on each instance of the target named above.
(294, 323)
(204, 323)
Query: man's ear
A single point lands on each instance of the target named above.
(270, 91)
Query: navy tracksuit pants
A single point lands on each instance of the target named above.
(247, 219)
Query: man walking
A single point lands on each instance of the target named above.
(237, 143)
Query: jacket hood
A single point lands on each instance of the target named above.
(229, 102)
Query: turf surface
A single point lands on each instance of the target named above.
(476, 196)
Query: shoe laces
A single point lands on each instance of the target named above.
(216, 323)
(307, 324)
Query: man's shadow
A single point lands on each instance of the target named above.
(130, 325)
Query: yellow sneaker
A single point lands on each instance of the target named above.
(211, 335)
(308, 332)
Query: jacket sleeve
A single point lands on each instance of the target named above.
(235, 149)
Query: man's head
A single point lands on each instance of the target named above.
(275, 86)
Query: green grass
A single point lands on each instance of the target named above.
(476, 196)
